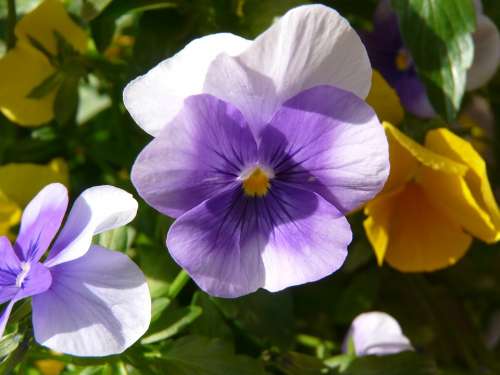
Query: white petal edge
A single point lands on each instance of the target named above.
(377, 333)
(98, 305)
(310, 45)
(486, 53)
(154, 98)
(98, 209)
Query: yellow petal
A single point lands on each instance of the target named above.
(384, 100)
(448, 144)
(452, 195)
(424, 156)
(22, 69)
(10, 214)
(50, 366)
(48, 17)
(377, 224)
(21, 182)
(422, 237)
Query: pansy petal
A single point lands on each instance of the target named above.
(22, 69)
(101, 301)
(206, 241)
(22, 181)
(384, 100)
(232, 245)
(308, 242)
(4, 317)
(155, 98)
(10, 265)
(378, 223)
(38, 279)
(378, 333)
(199, 154)
(413, 96)
(96, 210)
(452, 146)
(328, 140)
(427, 156)
(40, 222)
(486, 53)
(452, 195)
(421, 236)
(318, 32)
(49, 17)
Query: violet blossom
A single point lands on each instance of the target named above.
(261, 149)
(376, 333)
(86, 300)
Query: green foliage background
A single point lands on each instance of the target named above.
(298, 331)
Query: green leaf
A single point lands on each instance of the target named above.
(90, 9)
(9, 343)
(300, 364)
(178, 320)
(211, 323)
(119, 239)
(66, 102)
(267, 317)
(438, 34)
(103, 26)
(196, 355)
(159, 268)
(48, 85)
(407, 363)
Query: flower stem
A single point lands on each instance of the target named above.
(179, 282)
(10, 36)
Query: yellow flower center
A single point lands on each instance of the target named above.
(256, 183)
(403, 60)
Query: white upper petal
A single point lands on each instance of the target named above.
(486, 53)
(97, 305)
(310, 45)
(156, 97)
(96, 210)
(377, 333)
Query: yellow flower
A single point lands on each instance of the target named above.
(384, 100)
(18, 185)
(50, 366)
(25, 67)
(436, 198)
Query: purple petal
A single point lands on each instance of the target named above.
(199, 154)
(98, 209)
(98, 305)
(4, 317)
(377, 333)
(41, 221)
(330, 141)
(413, 95)
(232, 244)
(10, 266)
(36, 280)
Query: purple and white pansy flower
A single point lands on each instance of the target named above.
(389, 55)
(86, 300)
(260, 151)
(376, 333)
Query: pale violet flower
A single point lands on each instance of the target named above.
(86, 300)
(261, 149)
(377, 333)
